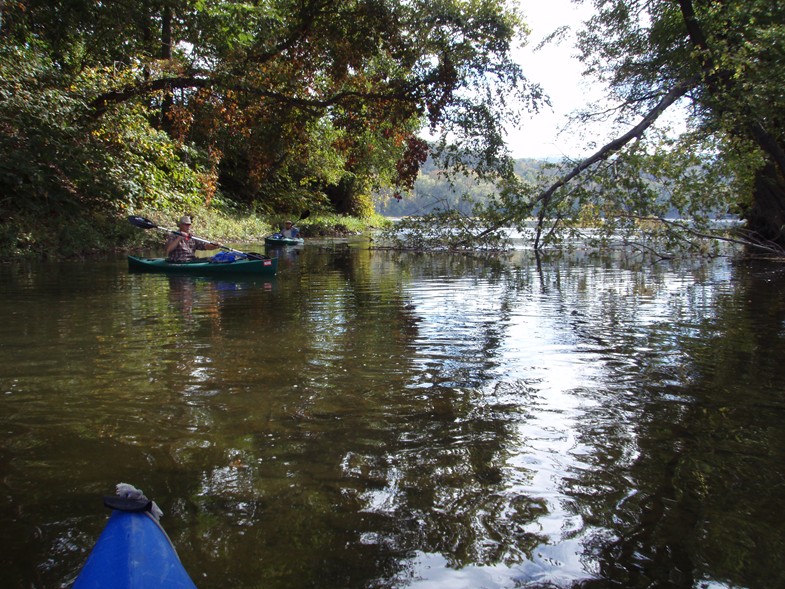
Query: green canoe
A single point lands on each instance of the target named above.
(282, 241)
(256, 267)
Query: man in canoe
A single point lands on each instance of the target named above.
(181, 247)
(290, 231)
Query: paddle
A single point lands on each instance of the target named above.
(144, 223)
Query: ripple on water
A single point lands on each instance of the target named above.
(387, 421)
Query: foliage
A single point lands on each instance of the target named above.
(721, 63)
(728, 57)
(366, 75)
(647, 195)
(332, 225)
(279, 106)
(58, 166)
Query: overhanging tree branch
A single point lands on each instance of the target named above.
(102, 102)
(636, 132)
(677, 92)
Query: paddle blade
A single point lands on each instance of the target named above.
(141, 222)
(305, 215)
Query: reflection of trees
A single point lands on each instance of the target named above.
(326, 430)
(365, 434)
(693, 461)
(100, 363)
(359, 453)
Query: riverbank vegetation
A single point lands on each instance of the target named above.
(257, 111)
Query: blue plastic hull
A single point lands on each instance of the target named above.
(133, 552)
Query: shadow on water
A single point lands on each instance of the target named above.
(378, 419)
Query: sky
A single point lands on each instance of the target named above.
(556, 69)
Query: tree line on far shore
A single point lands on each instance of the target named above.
(434, 190)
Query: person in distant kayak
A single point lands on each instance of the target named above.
(290, 231)
(181, 246)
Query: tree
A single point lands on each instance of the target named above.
(294, 102)
(728, 58)
(722, 63)
(61, 169)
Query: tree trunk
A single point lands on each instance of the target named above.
(166, 53)
(766, 216)
(350, 197)
(166, 32)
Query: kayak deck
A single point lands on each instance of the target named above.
(133, 552)
(256, 267)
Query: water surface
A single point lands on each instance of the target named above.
(373, 419)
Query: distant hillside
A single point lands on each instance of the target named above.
(432, 191)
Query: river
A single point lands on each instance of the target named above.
(371, 419)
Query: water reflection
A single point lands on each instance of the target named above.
(288, 255)
(377, 419)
